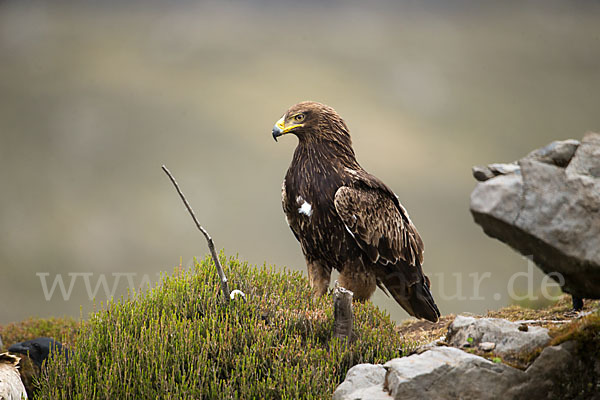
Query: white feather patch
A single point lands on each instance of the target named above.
(305, 209)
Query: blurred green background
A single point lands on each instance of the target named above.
(95, 96)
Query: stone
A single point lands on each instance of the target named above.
(587, 162)
(503, 169)
(439, 373)
(557, 153)
(487, 346)
(560, 372)
(500, 196)
(450, 373)
(505, 336)
(549, 209)
(483, 173)
(363, 381)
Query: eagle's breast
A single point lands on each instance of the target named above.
(308, 194)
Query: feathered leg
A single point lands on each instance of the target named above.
(318, 277)
(360, 281)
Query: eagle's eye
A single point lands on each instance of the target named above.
(299, 117)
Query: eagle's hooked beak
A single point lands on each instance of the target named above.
(280, 129)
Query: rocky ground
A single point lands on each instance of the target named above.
(513, 353)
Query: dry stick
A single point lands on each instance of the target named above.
(342, 312)
(211, 245)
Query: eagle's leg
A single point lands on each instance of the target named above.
(577, 303)
(358, 280)
(318, 277)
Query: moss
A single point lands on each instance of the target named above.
(585, 331)
(583, 381)
(181, 341)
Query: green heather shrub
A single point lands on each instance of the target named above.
(63, 329)
(181, 341)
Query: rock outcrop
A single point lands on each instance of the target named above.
(450, 373)
(363, 381)
(504, 337)
(547, 206)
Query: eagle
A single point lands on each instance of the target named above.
(347, 219)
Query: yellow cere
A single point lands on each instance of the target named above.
(281, 125)
(289, 128)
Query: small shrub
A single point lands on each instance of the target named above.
(63, 329)
(180, 341)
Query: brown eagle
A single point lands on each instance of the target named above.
(346, 218)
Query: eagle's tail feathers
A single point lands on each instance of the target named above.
(416, 299)
(422, 303)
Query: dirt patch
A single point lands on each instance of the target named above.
(422, 332)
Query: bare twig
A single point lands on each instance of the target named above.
(342, 312)
(211, 245)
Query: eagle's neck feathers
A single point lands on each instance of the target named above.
(317, 170)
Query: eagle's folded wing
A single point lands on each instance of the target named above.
(380, 227)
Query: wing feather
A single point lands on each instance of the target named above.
(379, 225)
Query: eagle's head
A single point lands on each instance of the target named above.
(313, 122)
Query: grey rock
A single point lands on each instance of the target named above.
(560, 372)
(363, 381)
(487, 346)
(587, 162)
(550, 210)
(548, 368)
(450, 373)
(557, 153)
(500, 196)
(483, 173)
(506, 336)
(504, 169)
(440, 373)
